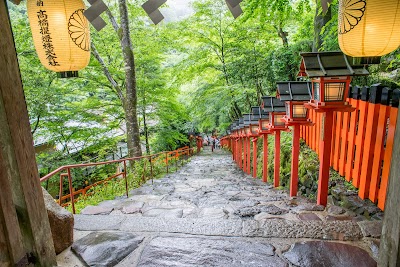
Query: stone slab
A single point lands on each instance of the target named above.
(105, 248)
(98, 222)
(176, 251)
(327, 254)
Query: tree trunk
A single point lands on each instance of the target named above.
(320, 20)
(283, 36)
(130, 105)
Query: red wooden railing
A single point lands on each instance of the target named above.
(65, 172)
(362, 140)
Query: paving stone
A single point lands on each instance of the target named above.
(338, 218)
(308, 217)
(327, 254)
(371, 228)
(165, 213)
(105, 248)
(96, 210)
(335, 210)
(212, 213)
(132, 207)
(170, 251)
(98, 222)
(146, 198)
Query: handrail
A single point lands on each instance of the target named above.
(65, 171)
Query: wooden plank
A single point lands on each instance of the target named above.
(369, 143)
(27, 193)
(352, 140)
(360, 142)
(387, 159)
(11, 246)
(343, 149)
(337, 137)
(378, 152)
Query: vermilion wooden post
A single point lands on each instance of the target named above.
(378, 154)
(254, 158)
(325, 155)
(363, 106)
(265, 158)
(244, 166)
(240, 153)
(338, 139)
(352, 133)
(343, 149)
(295, 161)
(277, 160)
(248, 164)
(369, 143)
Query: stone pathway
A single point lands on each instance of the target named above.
(210, 213)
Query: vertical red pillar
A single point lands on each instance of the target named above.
(255, 158)
(277, 160)
(248, 164)
(295, 161)
(240, 153)
(325, 157)
(244, 154)
(265, 158)
(232, 148)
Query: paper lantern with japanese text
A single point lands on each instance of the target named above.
(61, 34)
(369, 28)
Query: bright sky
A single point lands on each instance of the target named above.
(177, 10)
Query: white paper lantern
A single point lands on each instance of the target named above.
(61, 34)
(369, 28)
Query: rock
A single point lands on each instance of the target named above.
(132, 207)
(272, 209)
(97, 210)
(179, 252)
(165, 213)
(331, 200)
(335, 210)
(61, 223)
(105, 248)
(353, 203)
(338, 218)
(308, 217)
(371, 228)
(310, 207)
(251, 211)
(329, 254)
(247, 212)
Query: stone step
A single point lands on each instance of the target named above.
(268, 228)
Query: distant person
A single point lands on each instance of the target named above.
(213, 143)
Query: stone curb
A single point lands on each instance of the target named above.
(332, 230)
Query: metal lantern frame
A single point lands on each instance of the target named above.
(330, 74)
(263, 119)
(295, 94)
(277, 111)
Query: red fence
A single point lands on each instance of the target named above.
(148, 162)
(362, 140)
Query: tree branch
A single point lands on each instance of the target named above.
(107, 73)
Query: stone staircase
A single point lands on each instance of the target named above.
(214, 212)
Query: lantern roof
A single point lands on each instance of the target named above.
(246, 119)
(273, 104)
(328, 64)
(255, 113)
(241, 122)
(294, 91)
